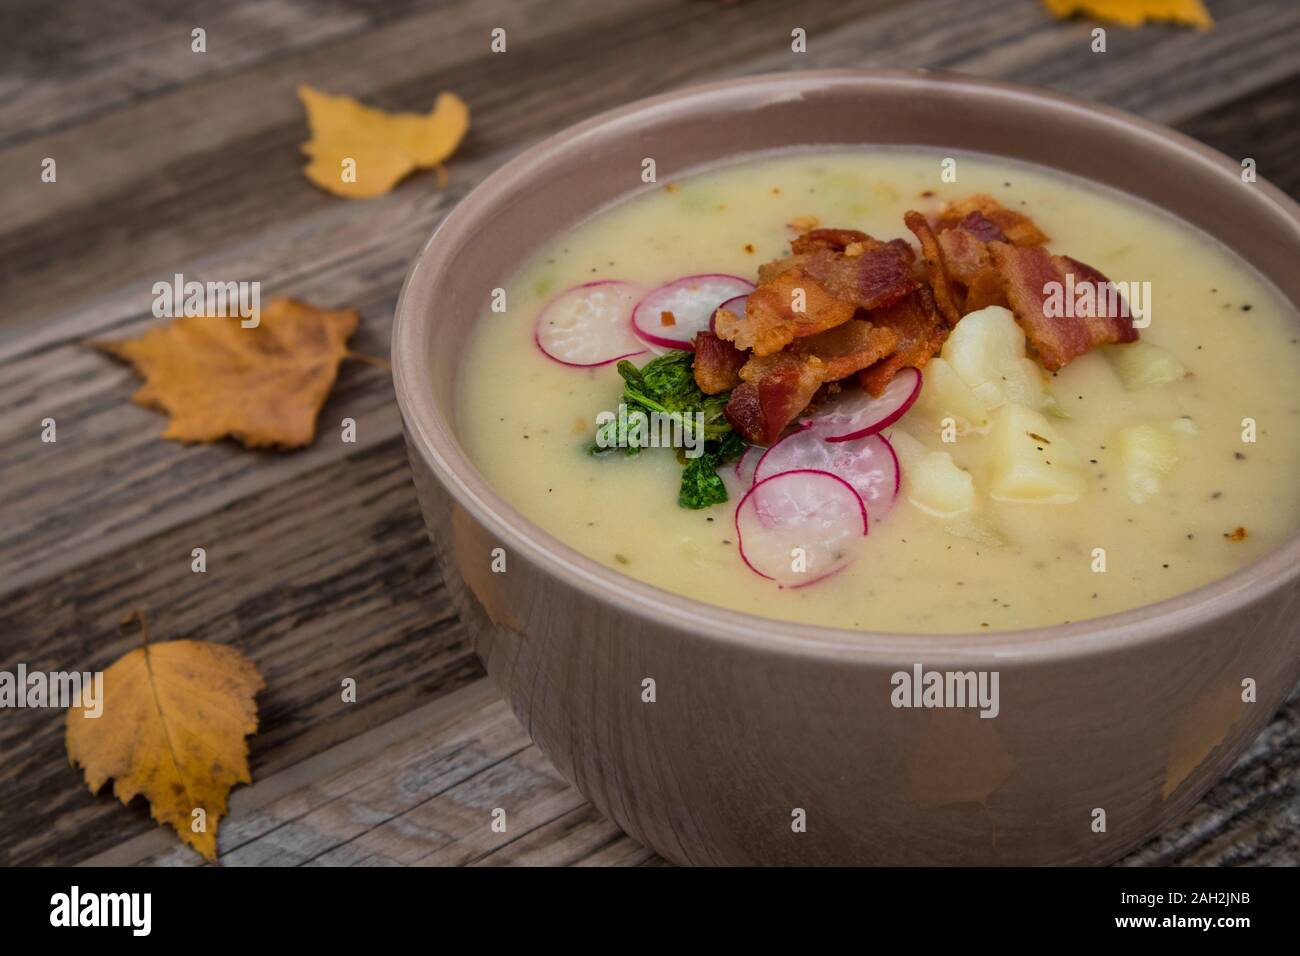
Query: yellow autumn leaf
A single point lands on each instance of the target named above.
(359, 152)
(174, 720)
(1133, 13)
(263, 386)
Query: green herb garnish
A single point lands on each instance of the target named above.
(666, 385)
(701, 484)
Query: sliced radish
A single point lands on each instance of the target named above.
(746, 463)
(588, 324)
(736, 306)
(868, 464)
(799, 527)
(855, 414)
(739, 478)
(674, 313)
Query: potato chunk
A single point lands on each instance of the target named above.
(987, 351)
(931, 480)
(945, 395)
(1148, 454)
(1141, 365)
(1027, 460)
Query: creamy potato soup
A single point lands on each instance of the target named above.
(1036, 469)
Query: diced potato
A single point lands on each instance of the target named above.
(931, 480)
(1141, 364)
(1148, 454)
(907, 448)
(1026, 460)
(945, 395)
(987, 351)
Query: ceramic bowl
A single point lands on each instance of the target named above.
(760, 723)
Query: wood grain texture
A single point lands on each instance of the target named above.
(428, 799)
(322, 579)
(1264, 126)
(318, 568)
(80, 61)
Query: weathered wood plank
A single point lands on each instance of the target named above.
(109, 480)
(329, 576)
(147, 187)
(209, 116)
(1264, 126)
(70, 69)
(581, 837)
(427, 798)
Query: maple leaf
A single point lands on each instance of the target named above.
(263, 386)
(174, 720)
(1133, 13)
(383, 147)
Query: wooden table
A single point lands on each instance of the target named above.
(318, 568)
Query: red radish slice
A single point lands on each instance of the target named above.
(588, 325)
(746, 463)
(869, 464)
(799, 527)
(855, 414)
(739, 478)
(691, 302)
(736, 306)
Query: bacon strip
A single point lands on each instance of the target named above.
(969, 264)
(985, 291)
(783, 385)
(944, 294)
(835, 240)
(770, 322)
(770, 270)
(965, 255)
(1016, 228)
(875, 275)
(717, 364)
(981, 227)
(921, 332)
(1027, 273)
(842, 351)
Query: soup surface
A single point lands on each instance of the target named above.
(1173, 479)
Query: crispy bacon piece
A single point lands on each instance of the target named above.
(921, 332)
(1016, 228)
(770, 322)
(782, 386)
(964, 254)
(847, 348)
(770, 270)
(1026, 272)
(717, 364)
(877, 274)
(835, 240)
(985, 291)
(982, 227)
(944, 294)
(969, 265)
(842, 351)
